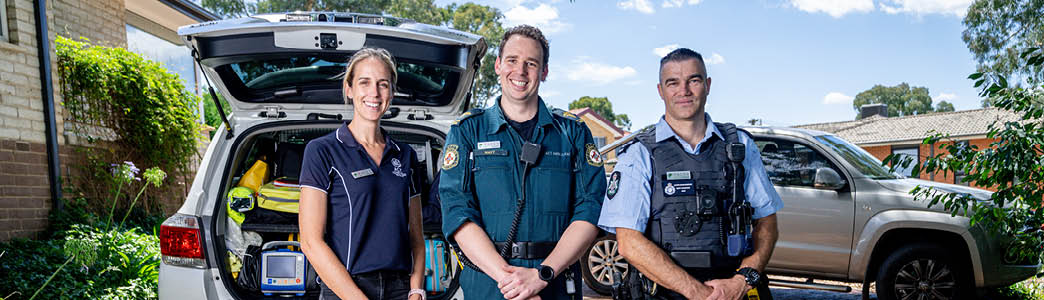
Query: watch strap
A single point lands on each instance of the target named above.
(751, 276)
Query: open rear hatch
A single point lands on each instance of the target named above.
(292, 63)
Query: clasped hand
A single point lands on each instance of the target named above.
(520, 283)
(727, 289)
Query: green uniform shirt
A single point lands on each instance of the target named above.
(481, 182)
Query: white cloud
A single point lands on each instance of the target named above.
(598, 73)
(662, 51)
(926, 7)
(834, 8)
(543, 16)
(643, 6)
(715, 59)
(944, 97)
(837, 98)
(679, 3)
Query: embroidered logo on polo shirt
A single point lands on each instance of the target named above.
(614, 185)
(398, 168)
(593, 157)
(450, 158)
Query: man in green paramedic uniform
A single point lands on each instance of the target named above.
(521, 187)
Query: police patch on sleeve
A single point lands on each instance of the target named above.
(614, 185)
(593, 157)
(450, 158)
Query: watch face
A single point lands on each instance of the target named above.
(546, 273)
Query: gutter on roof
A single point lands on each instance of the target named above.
(191, 10)
(918, 140)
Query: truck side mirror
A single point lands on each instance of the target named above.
(828, 179)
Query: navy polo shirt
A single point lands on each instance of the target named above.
(367, 215)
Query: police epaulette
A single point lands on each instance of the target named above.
(566, 114)
(470, 113)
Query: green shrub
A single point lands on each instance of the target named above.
(126, 107)
(114, 264)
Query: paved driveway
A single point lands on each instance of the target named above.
(777, 293)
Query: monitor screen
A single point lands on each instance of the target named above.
(281, 266)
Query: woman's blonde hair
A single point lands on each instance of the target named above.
(376, 53)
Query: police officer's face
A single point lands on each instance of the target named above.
(684, 87)
(370, 89)
(521, 68)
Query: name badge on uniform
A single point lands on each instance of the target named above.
(362, 173)
(678, 183)
(679, 175)
(489, 145)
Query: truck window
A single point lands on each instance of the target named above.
(791, 164)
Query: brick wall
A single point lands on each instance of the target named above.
(24, 187)
(924, 151)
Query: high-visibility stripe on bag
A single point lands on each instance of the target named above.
(279, 198)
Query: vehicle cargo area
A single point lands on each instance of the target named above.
(256, 223)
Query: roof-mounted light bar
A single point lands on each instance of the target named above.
(340, 17)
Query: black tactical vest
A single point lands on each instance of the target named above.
(692, 194)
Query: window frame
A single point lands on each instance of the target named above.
(4, 29)
(917, 155)
(604, 140)
(959, 174)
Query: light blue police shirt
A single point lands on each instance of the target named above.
(629, 207)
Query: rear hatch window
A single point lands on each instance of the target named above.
(316, 79)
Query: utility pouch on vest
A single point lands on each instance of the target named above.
(692, 259)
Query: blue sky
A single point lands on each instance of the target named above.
(787, 62)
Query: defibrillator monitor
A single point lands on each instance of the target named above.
(282, 272)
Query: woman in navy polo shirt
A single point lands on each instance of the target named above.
(360, 216)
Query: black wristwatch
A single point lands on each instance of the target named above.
(547, 273)
(752, 276)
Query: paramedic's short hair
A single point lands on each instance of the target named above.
(529, 32)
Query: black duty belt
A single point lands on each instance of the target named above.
(528, 250)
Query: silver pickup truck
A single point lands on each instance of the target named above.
(847, 218)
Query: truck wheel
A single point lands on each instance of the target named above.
(922, 271)
(601, 260)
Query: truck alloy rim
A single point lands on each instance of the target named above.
(604, 260)
(925, 279)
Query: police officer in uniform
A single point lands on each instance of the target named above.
(521, 186)
(689, 200)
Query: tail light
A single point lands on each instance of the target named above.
(181, 241)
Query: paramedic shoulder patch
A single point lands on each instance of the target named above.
(614, 185)
(450, 158)
(593, 157)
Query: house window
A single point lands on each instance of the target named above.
(958, 175)
(599, 141)
(175, 58)
(3, 21)
(907, 151)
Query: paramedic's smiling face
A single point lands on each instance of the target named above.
(370, 89)
(521, 67)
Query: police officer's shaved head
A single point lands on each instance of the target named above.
(681, 54)
(526, 31)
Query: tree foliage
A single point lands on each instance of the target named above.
(482, 20)
(1013, 164)
(604, 108)
(902, 100)
(995, 29)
